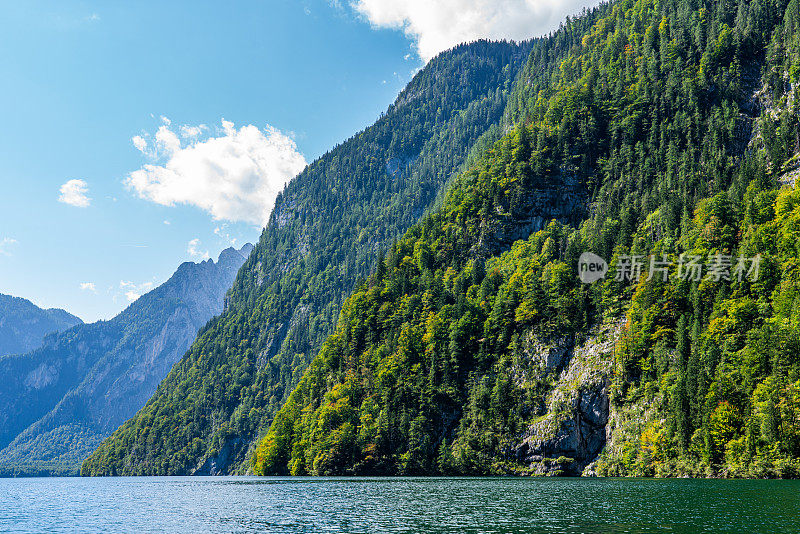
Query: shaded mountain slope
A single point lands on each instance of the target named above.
(61, 400)
(23, 325)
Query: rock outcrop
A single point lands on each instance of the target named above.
(572, 432)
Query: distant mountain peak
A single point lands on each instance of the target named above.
(242, 252)
(24, 325)
(59, 401)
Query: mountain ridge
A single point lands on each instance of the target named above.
(23, 325)
(80, 386)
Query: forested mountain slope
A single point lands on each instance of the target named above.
(57, 403)
(327, 230)
(23, 325)
(676, 124)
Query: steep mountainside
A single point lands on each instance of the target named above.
(659, 135)
(326, 232)
(675, 123)
(58, 402)
(23, 325)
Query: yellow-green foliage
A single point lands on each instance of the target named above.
(643, 112)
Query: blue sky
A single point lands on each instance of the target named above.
(251, 90)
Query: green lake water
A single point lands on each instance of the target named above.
(390, 505)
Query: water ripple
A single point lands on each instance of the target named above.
(397, 505)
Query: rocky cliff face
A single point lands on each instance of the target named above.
(64, 398)
(572, 432)
(23, 325)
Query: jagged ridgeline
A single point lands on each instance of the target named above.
(326, 231)
(58, 402)
(669, 128)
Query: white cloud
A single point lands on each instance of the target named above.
(190, 132)
(193, 248)
(437, 26)
(140, 143)
(88, 286)
(234, 176)
(167, 140)
(73, 192)
(222, 233)
(133, 291)
(5, 243)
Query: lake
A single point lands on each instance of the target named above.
(427, 505)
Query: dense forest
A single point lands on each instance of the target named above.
(679, 121)
(641, 129)
(325, 233)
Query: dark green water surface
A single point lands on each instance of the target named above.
(320, 505)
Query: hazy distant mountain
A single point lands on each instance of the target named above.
(23, 325)
(59, 401)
